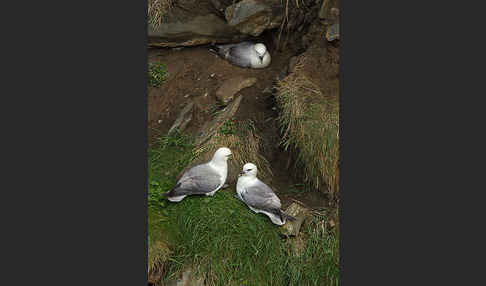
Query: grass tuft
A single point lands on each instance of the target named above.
(245, 143)
(310, 123)
(157, 9)
(156, 74)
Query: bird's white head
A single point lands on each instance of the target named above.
(260, 49)
(249, 169)
(222, 154)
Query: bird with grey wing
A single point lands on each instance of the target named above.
(203, 179)
(259, 197)
(244, 54)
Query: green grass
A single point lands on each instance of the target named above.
(165, 160)
(231, 245)
(222, 239)
(228, 127)
(156, 74)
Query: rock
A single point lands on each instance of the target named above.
(252, 17)
(212, 126)
(332, 32)
(196, 30)
(298, 245)
(283, 73)
(292, 228)
(188, 279)
(335, 12)
(185, 116)
(292, 63)
(221, 5)
(232, 86)
(267, 91)
(326, 8)
(332, 223)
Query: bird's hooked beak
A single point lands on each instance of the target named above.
(261, 58)
(241, 173)
(230, 156)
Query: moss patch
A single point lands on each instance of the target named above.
(156, 74)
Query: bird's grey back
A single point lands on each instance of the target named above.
(261, 196)
(201, 170)
(241, 45)
(239, 54)
(200, 179)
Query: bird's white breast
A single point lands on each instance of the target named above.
(221, 170)
(243, 183)
(257, 64)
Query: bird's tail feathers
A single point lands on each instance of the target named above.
(170, 193)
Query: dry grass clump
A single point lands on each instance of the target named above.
(158, 250)
(158, 254)
(245, 144)
(310, 124)
(157, 9)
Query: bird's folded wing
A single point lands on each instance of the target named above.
(260, 196)
(200, 179)
(241, 54)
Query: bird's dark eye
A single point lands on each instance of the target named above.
(248, 170)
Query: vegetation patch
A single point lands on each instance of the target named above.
(310, 124)
(228, 244)
(224, 241)
(168, 156)
(242, 138)
(156, 74)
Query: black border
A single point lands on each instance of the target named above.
(78, 159)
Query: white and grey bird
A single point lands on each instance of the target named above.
(244, 54)
(203, 179)
(258, 196)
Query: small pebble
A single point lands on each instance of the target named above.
(335, 11)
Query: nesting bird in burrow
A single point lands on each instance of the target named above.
(244, 54)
